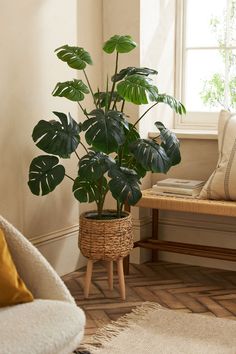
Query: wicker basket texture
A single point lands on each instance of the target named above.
(105, 239)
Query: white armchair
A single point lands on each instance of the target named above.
(52, 323)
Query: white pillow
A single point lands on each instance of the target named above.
(221, 185)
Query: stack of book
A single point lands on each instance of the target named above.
(178, 187)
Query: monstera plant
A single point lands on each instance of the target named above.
(115, 157)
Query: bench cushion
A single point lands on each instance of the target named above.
(221, 184)
(41, 327)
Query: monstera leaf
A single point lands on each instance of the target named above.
(176, 105)
(75, 57)
(93, 165)
(105, 131)
(124, 185)
(122, 44)
(86, 191)
(130, 162)
(102, 98)
(170, 143)
(72, 90)
(150, 155)
(131, 135)
(131, 70)
(57, 138)
(137, 89)
(45, 174)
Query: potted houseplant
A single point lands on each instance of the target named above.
(115, 156)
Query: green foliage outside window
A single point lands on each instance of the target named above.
(220, 89)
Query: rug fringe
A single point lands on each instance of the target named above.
(106, 333)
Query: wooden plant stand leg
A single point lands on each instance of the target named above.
(88, 277)
(121, 277)
(110, 274)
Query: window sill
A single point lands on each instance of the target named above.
(191, 134)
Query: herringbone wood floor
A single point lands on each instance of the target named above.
(175, 286)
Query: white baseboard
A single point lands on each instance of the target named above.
(60, 248)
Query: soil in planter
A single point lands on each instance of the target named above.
(105, 215)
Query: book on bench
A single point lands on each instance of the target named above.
(178, 187)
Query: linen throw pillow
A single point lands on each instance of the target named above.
(222, 183)
(12, 288)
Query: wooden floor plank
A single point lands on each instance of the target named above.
(99, 317)
(229, 305)
(214, 307)
(191, 303)
(182, 287)
(145, 294)
(169, 299)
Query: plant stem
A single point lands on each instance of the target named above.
(101, 198)
(156, 137)
(83, 110)
(99, 101)
(141, 116)
(104, 194)
(122, 107)
(114, 105)
(84, 147)
(77, 155)
(106, 97)
(99, 208)
(90, 88)
(145, 113)
(120, 155)
(118, 209)
(69, 177)
(114, 83)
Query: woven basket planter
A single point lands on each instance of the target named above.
(105, 239)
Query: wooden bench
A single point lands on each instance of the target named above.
(198, 206)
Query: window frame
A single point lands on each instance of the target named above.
(193, 120)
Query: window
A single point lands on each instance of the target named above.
(205, 60)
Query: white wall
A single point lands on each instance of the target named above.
(30, 32)
(27, 79)
(157, 51)
(122, 18)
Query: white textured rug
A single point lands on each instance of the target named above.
(151, 329)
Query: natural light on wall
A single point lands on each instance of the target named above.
(207, 47)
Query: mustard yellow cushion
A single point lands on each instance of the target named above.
(12, 288)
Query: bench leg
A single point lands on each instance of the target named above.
(126, 265)
(126, 259)
(155, 216)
